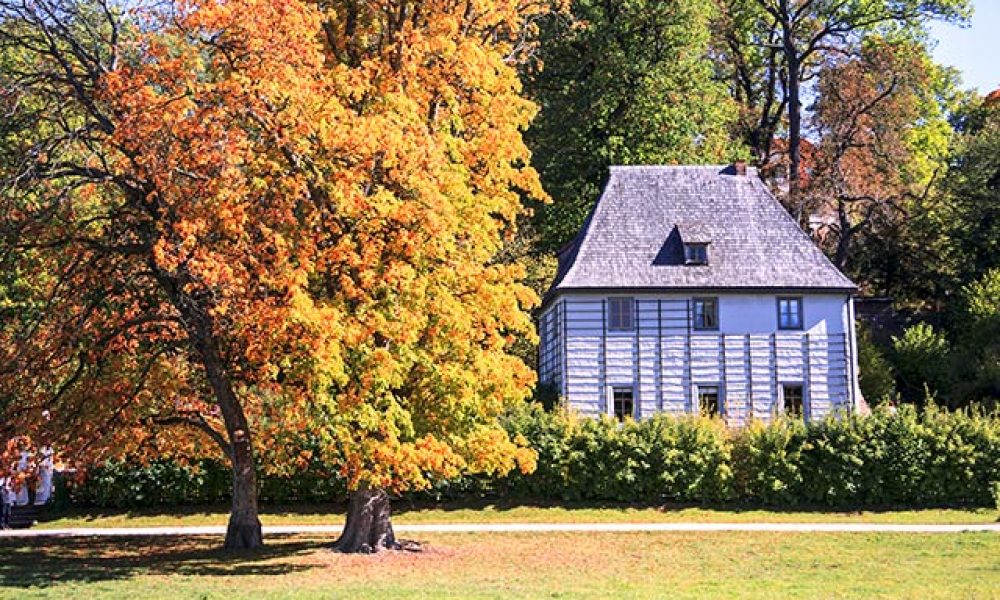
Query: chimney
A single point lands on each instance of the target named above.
(740, 167)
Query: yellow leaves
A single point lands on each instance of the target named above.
(338, 219)
(490, 451)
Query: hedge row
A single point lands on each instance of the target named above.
(911, 458)
(166, 482)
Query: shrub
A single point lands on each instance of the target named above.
(912, 457)
(923, 362)
(978, 371)
(768, 462)
(875, 372)
(123, 484)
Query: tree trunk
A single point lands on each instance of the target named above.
(792, 60)
(244, 531)
(844, 238)
(368, 528)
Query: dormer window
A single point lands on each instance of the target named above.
(695, 254)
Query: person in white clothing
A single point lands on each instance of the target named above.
(43, 487)
(22, 497)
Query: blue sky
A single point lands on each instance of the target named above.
(975, 50)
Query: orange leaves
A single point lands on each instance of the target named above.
(332, 209)
(492, 452)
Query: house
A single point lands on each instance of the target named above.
(691, 289)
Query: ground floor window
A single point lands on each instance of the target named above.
(624, 402)
(792, 396)
(708, 400)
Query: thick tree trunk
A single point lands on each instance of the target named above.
(244, 530)
(368, 528)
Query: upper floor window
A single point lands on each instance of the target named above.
(621, 314)
(705, 313)
(789, 313)
(695, 254)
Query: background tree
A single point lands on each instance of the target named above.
(965, 223)
(621, 83)
(803, 32)
(882, 142)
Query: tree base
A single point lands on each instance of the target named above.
(244, 535)
(369, 526)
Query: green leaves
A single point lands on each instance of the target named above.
(622, 83)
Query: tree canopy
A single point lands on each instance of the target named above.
(250, 219)
(621, 83)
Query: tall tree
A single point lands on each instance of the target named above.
(881, 142)
(247, 216)
(803, 31)
(966, 221)
(621, 83)
(949, 239)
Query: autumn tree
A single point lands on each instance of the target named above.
(881, 142)
(771, 50)
(625, 82)
(248, 219)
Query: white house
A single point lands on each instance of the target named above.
(691, 288)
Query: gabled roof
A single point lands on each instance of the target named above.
(634, 237)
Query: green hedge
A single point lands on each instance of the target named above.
(911, 458)
(119, 484)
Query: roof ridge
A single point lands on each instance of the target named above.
(718, 169)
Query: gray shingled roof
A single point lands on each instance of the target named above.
(634, 236)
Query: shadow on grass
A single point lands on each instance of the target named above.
(41, 562)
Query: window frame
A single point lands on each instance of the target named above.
(701, 260)
(800, 313)
(694, 313)
(698, 388)
(626, 301)
(784, 385)
(630, 390)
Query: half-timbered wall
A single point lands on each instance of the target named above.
(664, 361)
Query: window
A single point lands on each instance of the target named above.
(624, 403)
(696, 254)
(620, 314)
(708, 400)
(705, 313)
(789, 313)
(792, 395)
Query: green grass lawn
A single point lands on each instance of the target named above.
(560, 565)
(500, 513)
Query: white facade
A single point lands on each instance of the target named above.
(663, 363)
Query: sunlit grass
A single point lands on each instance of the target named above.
(561, 565)
(499, 513)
